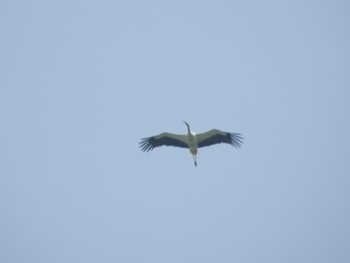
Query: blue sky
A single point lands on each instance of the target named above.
(81, 82)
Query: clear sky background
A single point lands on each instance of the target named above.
(81, 82)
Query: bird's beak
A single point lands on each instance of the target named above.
(186, 123)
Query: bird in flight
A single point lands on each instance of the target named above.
(191, 140)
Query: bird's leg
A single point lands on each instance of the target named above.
(195, 159)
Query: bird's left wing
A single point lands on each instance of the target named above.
(216, 136)
(166, 138)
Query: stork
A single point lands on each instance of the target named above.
(191, 140)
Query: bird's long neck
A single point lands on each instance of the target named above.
(188, 129)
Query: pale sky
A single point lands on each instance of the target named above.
(81, 82)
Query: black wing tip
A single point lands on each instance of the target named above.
(146, 144)
(236, 139)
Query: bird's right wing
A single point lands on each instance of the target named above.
(167, 139)
(216, 136)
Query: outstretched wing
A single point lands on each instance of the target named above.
(216, 136)
(167, 139)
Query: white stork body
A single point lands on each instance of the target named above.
(191, 140)
(192, 143)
